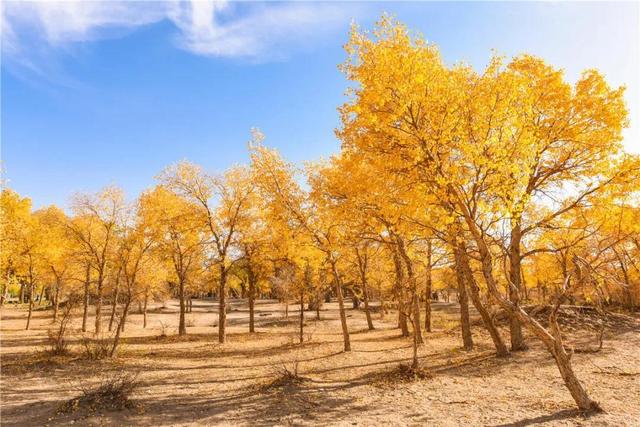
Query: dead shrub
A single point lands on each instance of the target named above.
(189, 322)
(96, 348)
(285, 377)
(164, 328)
(400, 374)
(111, 394)
(57, 341)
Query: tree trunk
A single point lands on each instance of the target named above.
(427, 290)
(501, 348)
(21, 297)
(144, 310)
(343, 315)
(85, 311)
(413, 286)
(120, 328)
(302, 316)
(98, 326)
(515, 286)
(182, 326)
(416, 334)
(115, 306)
(463, 300)
(41, 296)
(399, 289)
(552, 342)
(56, 303)
(252, 302)
(222, 307)
(31, 292)
(125, 312)
(365, 296)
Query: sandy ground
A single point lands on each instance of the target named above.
(195, 381)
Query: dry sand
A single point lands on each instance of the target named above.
(195, 381)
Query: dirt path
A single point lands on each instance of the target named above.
(195, 381)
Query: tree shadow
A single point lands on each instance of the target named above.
(556, 416)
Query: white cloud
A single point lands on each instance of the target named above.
(222, 29)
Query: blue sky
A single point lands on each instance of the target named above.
(95, 94)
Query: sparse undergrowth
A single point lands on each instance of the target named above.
(111, 394)
(402, 373)
(285, 378)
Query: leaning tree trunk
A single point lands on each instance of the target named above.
(115, 306)
(487, 320)
(553, 342)
(365, 296)
(120, 328)
(125, 312)
(222, 306)
(343, 315)
(515, 286)
(463, 301)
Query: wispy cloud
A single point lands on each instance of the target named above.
(218, 29)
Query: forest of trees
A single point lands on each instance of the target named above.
(509, 187)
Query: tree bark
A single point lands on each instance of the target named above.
(367, 312)
(98, 324)
(115, 306)
(553, 342)
(41, 296)
(302, 316)
(399, 287)
(182, 326)
(120, 328)
(463, 300)
(222, 307)
(56, 303)
(144, 310)
(416, 333)
(252, 297)
(85, 311)
(413, 286)
(515, 285)
(428, 289)
(501, 348)
(343, 315)
(125, 312)
(31, 292)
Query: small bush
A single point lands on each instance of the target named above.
(111, 394)
(96, 348)
(57, 342)
(285, 377)
(164, 328)
(189, 322)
